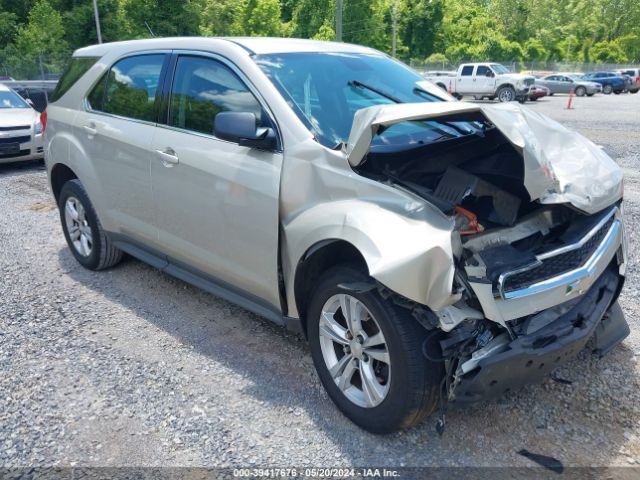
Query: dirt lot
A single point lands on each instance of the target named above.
(133, 367)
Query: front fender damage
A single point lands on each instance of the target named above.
(405, 242)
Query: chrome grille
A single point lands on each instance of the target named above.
(21, 139)
(12, 128)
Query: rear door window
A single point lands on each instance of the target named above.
(467, 71)
(129, 88)
(74, 71)
(202, 88)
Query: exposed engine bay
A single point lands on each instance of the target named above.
(506, 247)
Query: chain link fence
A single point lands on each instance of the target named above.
(33, 67)
(534, 67)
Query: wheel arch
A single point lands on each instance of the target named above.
(60, 174)
(507, 85)
(319, 258)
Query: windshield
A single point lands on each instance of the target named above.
(326, 89)
(9, 99)
(499, 69)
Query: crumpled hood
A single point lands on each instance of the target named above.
(560, 166)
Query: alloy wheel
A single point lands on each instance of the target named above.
(78, 227)
(506, 95)
(354, 350)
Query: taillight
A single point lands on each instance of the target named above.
(43, 120)
(637, 79)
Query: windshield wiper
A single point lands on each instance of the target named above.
(358, 83)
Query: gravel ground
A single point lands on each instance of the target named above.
(132, 367)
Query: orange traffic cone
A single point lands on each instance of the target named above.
(570, 99)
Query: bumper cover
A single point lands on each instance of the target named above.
(531, 357)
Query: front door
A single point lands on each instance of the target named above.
(216, 201)
(485, 80)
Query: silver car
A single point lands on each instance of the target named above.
(431, 251)
(20, 128)
(566, 84)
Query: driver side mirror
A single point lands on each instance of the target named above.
(29, 101)
(489, 74)
(240, 128)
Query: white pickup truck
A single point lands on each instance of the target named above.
(480, 80)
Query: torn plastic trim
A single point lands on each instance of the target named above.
(531, 357)
(560, 166)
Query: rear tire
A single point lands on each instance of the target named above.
(607, 89)
(405, 390)
(87, 240)
(633, 91)
(581, 91)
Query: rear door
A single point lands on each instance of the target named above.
(464, 83)
(116, 129)
(565, 84)
(217, 203)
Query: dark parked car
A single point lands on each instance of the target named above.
(610, 81)
(634, 75)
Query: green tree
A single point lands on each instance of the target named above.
(8, 27)
(420, 25)
(222, 18)
(326, 32)
(39, 49)
(608, 52)
(262, 18)
(534, 50)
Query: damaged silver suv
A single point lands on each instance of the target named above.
(432, 251)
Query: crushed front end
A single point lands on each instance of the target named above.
(533, 295)
(538, 240)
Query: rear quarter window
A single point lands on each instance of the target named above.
(74, 71)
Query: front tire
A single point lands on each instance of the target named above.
(581, 91)
(633, 91)
(607, 89)
(370, 359)
(84, 234)
(506, 94)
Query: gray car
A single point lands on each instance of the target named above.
(430, 250)
(565, 84)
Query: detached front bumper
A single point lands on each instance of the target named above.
(529, 358)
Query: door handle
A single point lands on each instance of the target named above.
(90, 130)
(168, 157)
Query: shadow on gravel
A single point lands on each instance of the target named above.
(18, 168)
(583, 423)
